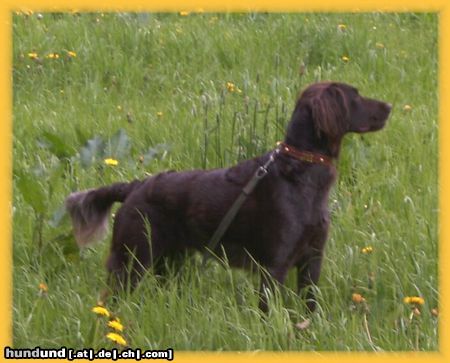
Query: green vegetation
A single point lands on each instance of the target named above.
(166, 91)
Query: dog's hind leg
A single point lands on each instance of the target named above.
(140, 240)
(130, 254)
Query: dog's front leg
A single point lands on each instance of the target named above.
(308, 272)
(269, 278)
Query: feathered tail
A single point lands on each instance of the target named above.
(89, 210)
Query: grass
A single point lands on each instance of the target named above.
(150, 90)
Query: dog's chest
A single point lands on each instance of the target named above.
(308, 196)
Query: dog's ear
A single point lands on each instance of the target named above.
(330, 111)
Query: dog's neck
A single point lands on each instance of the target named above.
(309, 157)
(302, 135)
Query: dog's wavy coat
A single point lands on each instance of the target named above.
(283, 223)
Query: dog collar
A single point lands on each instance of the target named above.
(309, 157)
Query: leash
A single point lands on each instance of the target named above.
(260, 173)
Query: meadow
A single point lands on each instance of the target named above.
(199, 90)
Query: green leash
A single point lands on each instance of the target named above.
(260, 173)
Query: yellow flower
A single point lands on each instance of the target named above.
(111, 162)
(367, 250)
(357, 298)
(52, 56)
(100, 310)
(345, 58)
(184, 13)
(117, 338)
(231, 87)
(379, 45)
(71, 54)
(43, 287)
(342, 27)
(33, 55)
(115, 324)
(159, 114)
(407, 108)
(417, 300)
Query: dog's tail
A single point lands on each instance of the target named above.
(89, 210)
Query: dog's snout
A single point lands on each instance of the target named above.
(385, 108)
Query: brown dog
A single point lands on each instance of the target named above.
(282, 224)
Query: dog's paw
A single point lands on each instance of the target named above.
(303, 325)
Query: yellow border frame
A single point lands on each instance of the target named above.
(439, 6)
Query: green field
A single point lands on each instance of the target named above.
(183, 91)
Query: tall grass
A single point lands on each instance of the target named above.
(165, 91)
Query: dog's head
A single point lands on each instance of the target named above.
(337, 108)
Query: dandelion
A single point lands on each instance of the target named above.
(414, 300)
(367, 250)
(116, 338)
(43, 288)
(345, 58)
(231, 87)
(184, 13)
(71, 54)
(407, 108)
(342, 27)
(379, 45)
(111, 162)
(115, 324)
(159, 114)
(52, 56)
(100, 310)
(33, 55)
(358, 298)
